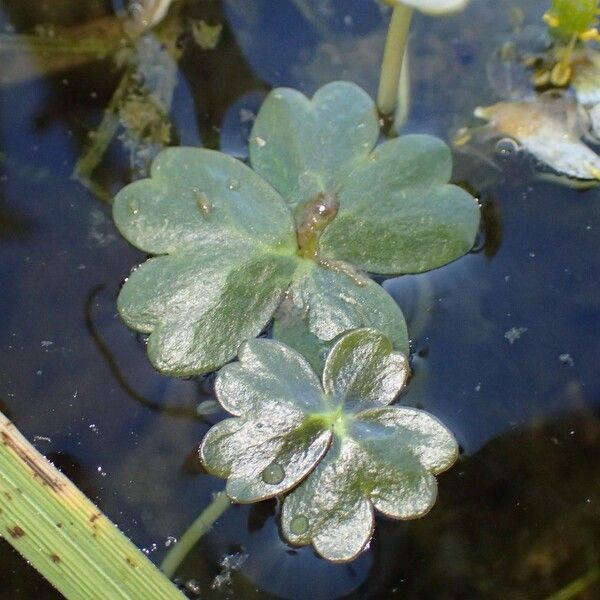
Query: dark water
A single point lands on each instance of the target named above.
(518, 517)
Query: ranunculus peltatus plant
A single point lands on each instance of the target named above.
(334, 448)
(290, 237)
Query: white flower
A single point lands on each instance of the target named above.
(433, 7)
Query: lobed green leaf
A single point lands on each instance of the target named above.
(229, 248)
(402, 214)
(334, 300)
(378, 463)
(303, 147)
(338, 448)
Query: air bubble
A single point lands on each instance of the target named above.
(507, 147)
(299, 525)
(233, 184)
(273, 474)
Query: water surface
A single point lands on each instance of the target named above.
(518, 517)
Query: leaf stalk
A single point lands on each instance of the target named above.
(197, 529)
(393, 57)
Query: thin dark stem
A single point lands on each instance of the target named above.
(177, 411)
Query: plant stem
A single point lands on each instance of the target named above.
(561, 74)
(198, 528)
(393, 56)
(63, 535)
(101, 139)
(403, 107)
(574, 589)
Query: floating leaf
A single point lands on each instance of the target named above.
(230, 255)
(303, 147)
(339, 444)
(275, 442)
(377, 464)
(404, 216)
(364, 370)
(333, 302)
(234, 244)
(395, 200)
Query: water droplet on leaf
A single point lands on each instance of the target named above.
(203, 202)
(273, 474)
(299, 525)
(134, 207)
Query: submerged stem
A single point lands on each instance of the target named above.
(197, 529)
(393, 56)
(578, 586)
(101, 139)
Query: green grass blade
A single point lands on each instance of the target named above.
(64, 536)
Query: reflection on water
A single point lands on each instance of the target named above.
(517, 518)
(185, 411)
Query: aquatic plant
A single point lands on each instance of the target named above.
(574, 17)
(336, 447)
(572, 21)
(322, 205)
(145, 39)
